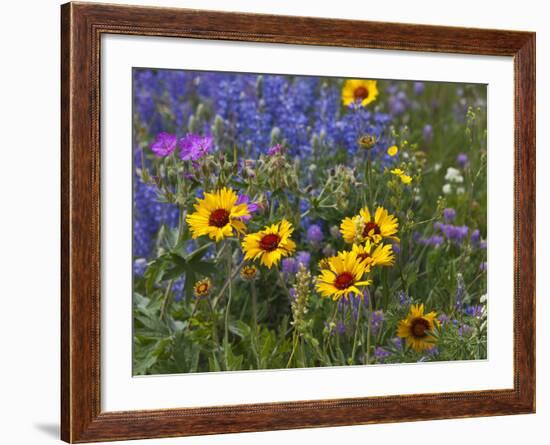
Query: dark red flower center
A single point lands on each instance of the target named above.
(361, 93)
(419, 326)
(371, 225)
(363, 256)
(270, 242)
(343, 281)
(219, 218)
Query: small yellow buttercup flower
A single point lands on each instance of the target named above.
(405, 179)
(270, 245)
(392, 151)
(344, 277)
(202, 288)
(381, 255)
(363, 227)
(217, 215)
(359, 91)
(418, 328)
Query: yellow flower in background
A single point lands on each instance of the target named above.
(363, 227)
(405, 179)
(324, 264)
(417, 329)
(202, 288)
(269, 245)
(381, 255)
(249, 273)
(359, 91)
(343, 277)
(217, 215)
(392, 151)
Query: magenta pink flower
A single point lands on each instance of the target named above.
(194, 146)
(275, 150)
(164, 144)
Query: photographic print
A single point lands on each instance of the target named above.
(285, 221)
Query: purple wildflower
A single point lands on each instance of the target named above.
(396, 248)
(252, 206)
(464, 330)
(289, 266)
(404, 299)
(377, 320)
(398, 103)
(275, 150)
(432, 351)
(140, 265)
(483, 266)
(475, 310)
(443, 318)
(193, 146)
(292, 293)
(434, 240)
(397, 343)
(164, 144)
(449, 214)
(418, 88)
(453, 233)
(338, 328)
(474, 237)
(462, 159)
(427, 133)
(381, 354)
(303, 258)
(314, 234)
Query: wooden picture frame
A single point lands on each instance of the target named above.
(82, 25)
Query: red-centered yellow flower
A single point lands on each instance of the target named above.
(218, 215)
(249, 272)
(381, 255)
(363, 227)
(269, 245)
(417, 329)
(202, 288)
(343, 277)
(359, 91)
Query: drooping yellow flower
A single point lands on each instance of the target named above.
(405, 179)
(382, 255)
(363, 227)
(359, 91)
(202, 288)
(417, 329)
(218, 215)
(344, 276)
(392, 151)
(269, 245)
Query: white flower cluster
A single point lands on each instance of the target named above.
(453, 177)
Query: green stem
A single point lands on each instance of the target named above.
(294, 346)
(255, 322)
(369, 327)
(282, 283)
(228, 307)
(165, 300)
(226, 284)
(356, 331)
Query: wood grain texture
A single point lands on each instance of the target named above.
(81, 28)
